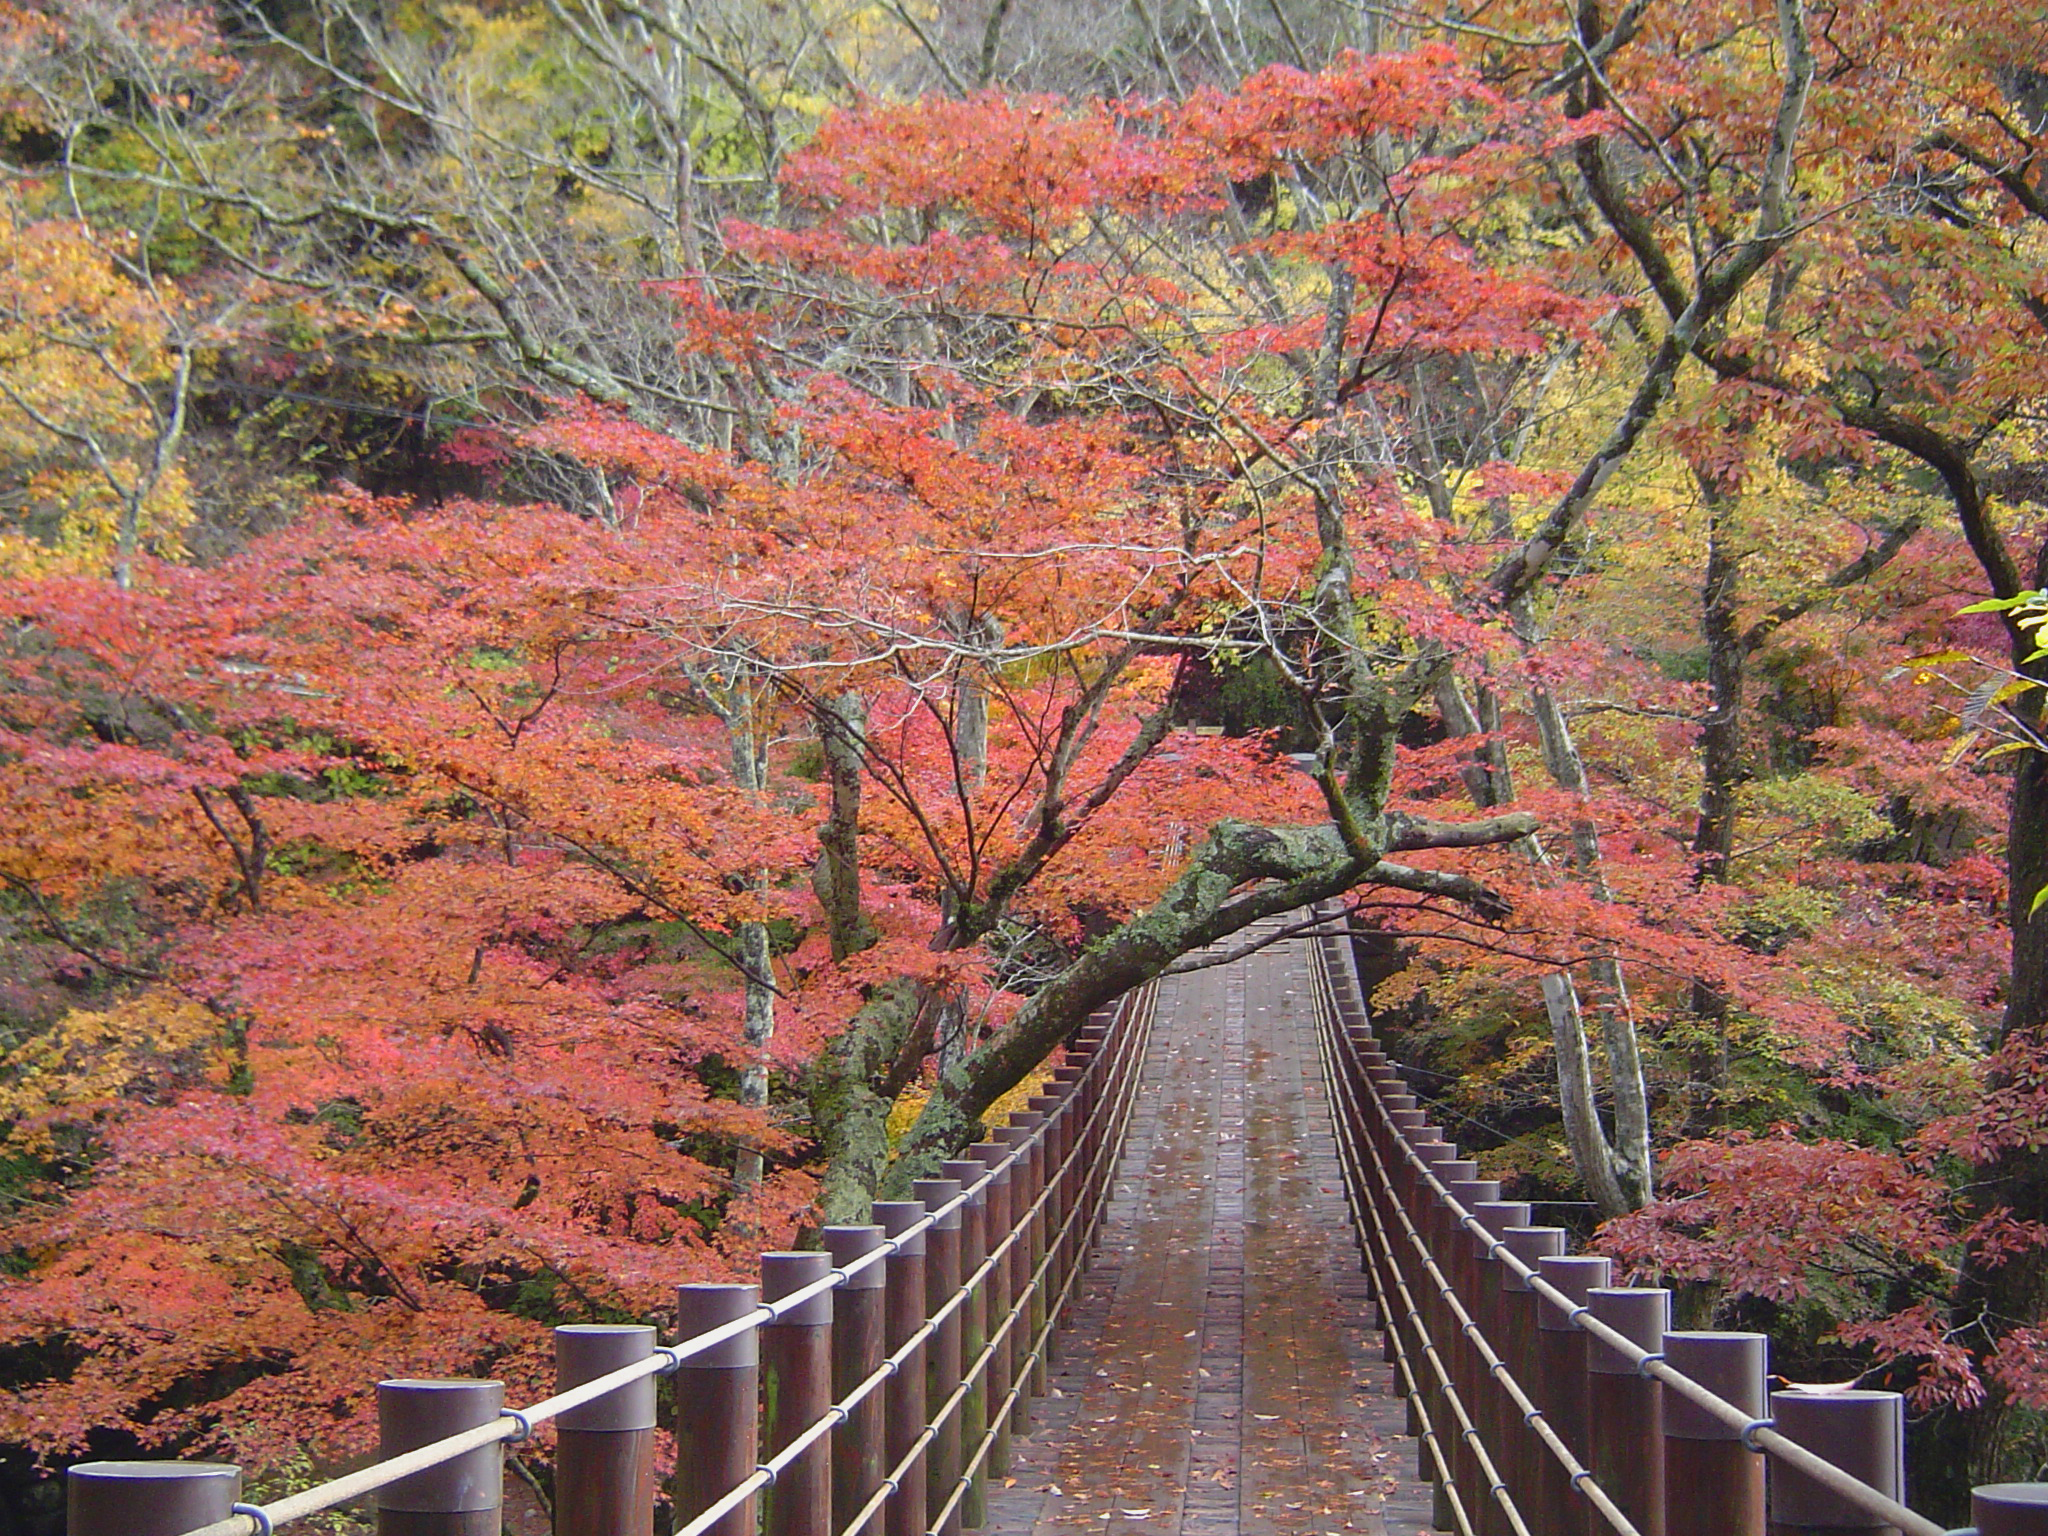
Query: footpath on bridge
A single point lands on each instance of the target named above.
(1222, 1374)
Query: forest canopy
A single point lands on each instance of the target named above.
(617, 615)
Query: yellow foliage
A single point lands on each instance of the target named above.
(910, 1103)
(90, 1058)
(83, 356)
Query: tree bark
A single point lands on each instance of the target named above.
(842, 738)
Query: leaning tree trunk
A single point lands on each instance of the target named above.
(1627, 1176)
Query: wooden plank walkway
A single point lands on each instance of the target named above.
(1222, 1376)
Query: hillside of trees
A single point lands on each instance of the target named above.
(616, 615)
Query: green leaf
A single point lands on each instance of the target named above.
(2039, 896)
(1998, 604)
(1938, 659)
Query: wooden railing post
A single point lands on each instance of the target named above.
(998, 1220)
(1519, 1308)
(1453, 1248)
(796, 1391)
(1411, 1201)
(1499, 1423)
(859, 1326)
(1073, 1094)
(1863, 1433)
(942, 1350)
(1055, 1144)
(148, 1498)
(1713, 1483)
(462, 1497)
(1561, 1371)
(604, 1451)
(905, 1399)
(972, 1177)
(717, 1407)
(1026, 1181)
(1625, 1408)
(2009, 1509)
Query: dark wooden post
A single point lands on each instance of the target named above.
(2010, 1509)
(1037, 1163)
(1519, 1306)
(796, 1391)
(1453, 1249)
(1023, 1191)
(462, 1497)
(997, 1222)
(1057, 1141)
(905, 1403)
(604, 1451)
(942, 1350)
(1713, 1483)
(1561, 1365)
(1625, 1407)
(148, 1498)
(1411, 1200)
(717, 1407)
(1499, 1421)
(859, 1326)
(1069, 1088)
(1863, 1433)
(972, 1177)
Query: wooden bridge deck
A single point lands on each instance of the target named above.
(1223, 1373)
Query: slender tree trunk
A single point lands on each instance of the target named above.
(750, 768)
(1618, 1182)
(1591, 1152)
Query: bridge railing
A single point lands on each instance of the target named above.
(871, 1387)
(1545, 1401)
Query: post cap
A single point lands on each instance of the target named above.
(1640, 1313)
(585, 1351)
(2010, 1509)
(1732, 1366)
(1496, 1216)
(702, 1307)
(1530, 1244)
(935, 1193)
(413, 1413)
(1575, 1274)
(845, 1244)
(1863, 1433)
(148, 1498)
(898, 1217)
(787, 1272)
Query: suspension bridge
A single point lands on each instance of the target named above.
(1222, 1277)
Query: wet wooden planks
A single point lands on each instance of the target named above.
(1222, 1374)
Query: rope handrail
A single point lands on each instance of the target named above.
(1757, 1435)
(516, 1425)
(1498, 1369)
(978, 1369)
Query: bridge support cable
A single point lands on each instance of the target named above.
(1414, 1202)
(1032, 1199)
